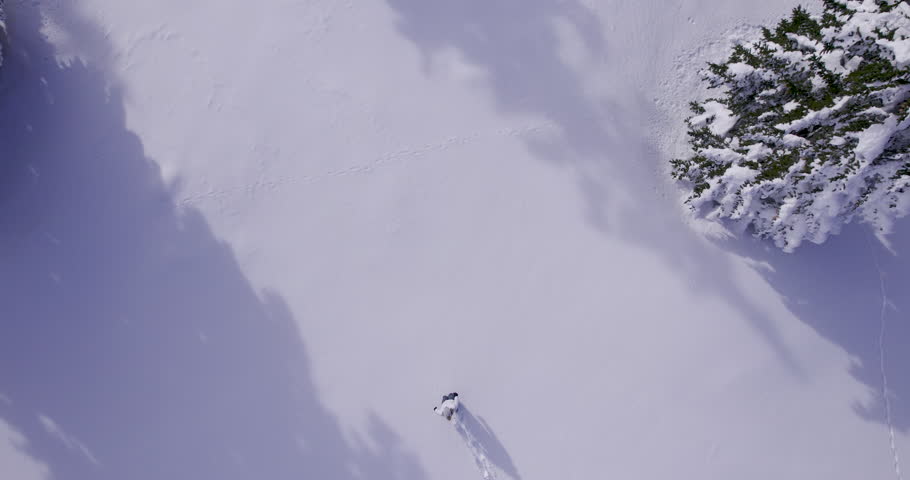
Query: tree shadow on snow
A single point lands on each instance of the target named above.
(131, 344)
(838, 288)
(600, 139)
(834, 288)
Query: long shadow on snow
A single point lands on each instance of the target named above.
(516, 44)
(131, 344)
(838, 289)
(494, 450)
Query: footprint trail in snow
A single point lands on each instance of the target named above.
(475, 447)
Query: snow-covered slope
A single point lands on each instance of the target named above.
(260, 241)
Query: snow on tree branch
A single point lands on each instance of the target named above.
(811, 129)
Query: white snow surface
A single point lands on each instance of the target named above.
(874, 139)
(261, 241)
(717, 116)
(740, 70)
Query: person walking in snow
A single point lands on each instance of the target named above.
(448, 407)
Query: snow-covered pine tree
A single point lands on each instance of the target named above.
(812, 127)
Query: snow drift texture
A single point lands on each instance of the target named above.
(811, 131)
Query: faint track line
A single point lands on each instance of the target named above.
(477, 451)
(397, 157)
(884, 374)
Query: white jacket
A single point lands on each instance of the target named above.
(448, 408)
